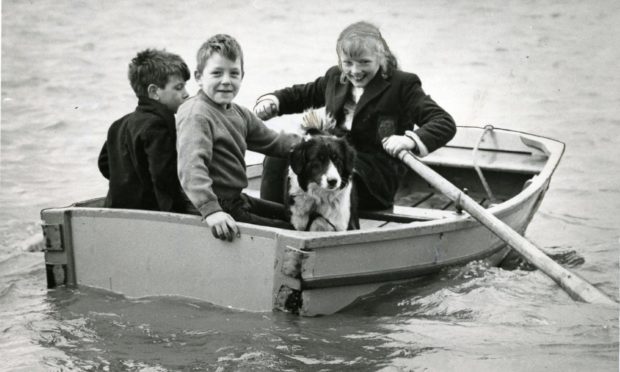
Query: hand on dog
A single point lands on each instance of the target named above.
(394, 144)
(266, 108)
(223, 226)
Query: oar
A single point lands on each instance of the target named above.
(573, 284)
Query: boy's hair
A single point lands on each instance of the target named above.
(153, 66)
(363, 37)
(223, 44)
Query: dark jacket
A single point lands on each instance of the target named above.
(388, 106)
(139, 158)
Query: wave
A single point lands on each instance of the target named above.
(57, 126)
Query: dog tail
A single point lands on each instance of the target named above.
(313, 120)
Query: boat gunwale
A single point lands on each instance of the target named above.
(316, 240)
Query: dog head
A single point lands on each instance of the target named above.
(322, 159)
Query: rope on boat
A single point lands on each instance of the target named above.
(487, 128)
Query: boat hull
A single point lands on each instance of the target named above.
(143, 253)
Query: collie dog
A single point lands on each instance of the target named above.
(320, 192)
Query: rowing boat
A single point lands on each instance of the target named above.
(144, 253)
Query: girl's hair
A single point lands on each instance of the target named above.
(154, 66)
(223, 44)
(363, 37)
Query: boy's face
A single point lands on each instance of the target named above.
(361, 69)
(173, 94)
(220, 79)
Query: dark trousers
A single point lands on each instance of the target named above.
(256, 211)
(273, 182)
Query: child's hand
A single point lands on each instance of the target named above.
(223, 226)
(266, 108)
(395, 144)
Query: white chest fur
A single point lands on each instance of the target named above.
(333, 207)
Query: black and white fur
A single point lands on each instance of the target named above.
(320, 192)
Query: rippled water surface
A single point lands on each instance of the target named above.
(544, 67)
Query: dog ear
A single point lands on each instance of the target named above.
(297, 157)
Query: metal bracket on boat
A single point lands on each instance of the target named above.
(53, 238)
(288, 299)
(457, 203)
(291, 262)
(56, 275)
(288, 294)
(528, 182)
(487, 128)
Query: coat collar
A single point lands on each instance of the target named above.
(146, 104)
(375, 87)
(340, 96)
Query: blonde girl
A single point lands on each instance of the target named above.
(380, 109)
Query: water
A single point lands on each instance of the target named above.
(544, 67)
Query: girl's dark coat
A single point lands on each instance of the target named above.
(388, 106)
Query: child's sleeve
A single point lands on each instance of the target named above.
(265, 140)
(300, 97)
(103, 163)
(436, 126)
(195, 151)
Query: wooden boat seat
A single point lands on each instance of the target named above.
(407, 214)
(502, 161)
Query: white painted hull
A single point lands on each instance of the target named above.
(141, 253)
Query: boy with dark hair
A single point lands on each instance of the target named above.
(213, 135)
(139, 157)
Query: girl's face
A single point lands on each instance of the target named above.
(361, 69)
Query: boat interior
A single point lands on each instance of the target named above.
(418, 201)
(490, 174)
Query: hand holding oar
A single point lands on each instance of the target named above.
(574, 285)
